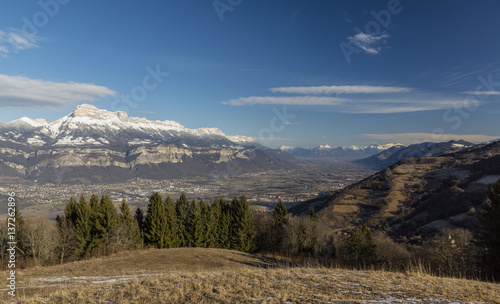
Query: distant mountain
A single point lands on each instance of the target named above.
(416, 195)
(396, 153)
(339, 153)
(97, 145)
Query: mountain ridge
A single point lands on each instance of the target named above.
(93, 145)
(326, 152)
(396, 153)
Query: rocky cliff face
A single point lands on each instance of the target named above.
(91, 145)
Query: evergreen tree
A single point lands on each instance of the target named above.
(70, 212)
(94, 202)
(247, 233)
(224, 226)
(242, 229)
(139, 218)
(172, 223)
(280, 229)
(193, 217)
(200, 224)
(83, 227)
(182, 210)
(489, 237)
(361, 246)
(313, 216)
(107, 218)
(125, 214)
(213, 224)
(155, 233)
(127, 232)
(280, 214)
(96, 231)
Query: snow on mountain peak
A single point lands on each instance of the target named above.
(286, 148)
(323, 147)
(36, 123)
(93, 122)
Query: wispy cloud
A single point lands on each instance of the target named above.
(295, 101)
(488, 93)
(399, 105)
(23, 92)
(347, 89)
(359, 99)
(13, 41)
(371, 44)
(412, 138)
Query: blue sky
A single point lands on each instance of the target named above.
(295, 73)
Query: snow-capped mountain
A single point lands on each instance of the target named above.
(87, 125)
(397, 153)
(326, 152)
(90, 144)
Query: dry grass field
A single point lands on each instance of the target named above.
(195, 275)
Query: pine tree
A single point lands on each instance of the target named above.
(156, 222)
(107, 218)
(200, 224)
(247, 233)
(172, 223)
(489, 238)
(182, 210)
(139, 218)
(361, 246)
(280, 228)
(313, 216)
(70, 212)
(125, 214)
(225, 226)
(280, 214)
(96, 231)
(127, 232)
(83, 227)
(94, 202)
(242, 230)
(213, 224)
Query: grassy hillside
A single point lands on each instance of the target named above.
(195, 275)
(421, 194)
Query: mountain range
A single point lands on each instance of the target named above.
(398, 152)
(327, 153)
(93, 145)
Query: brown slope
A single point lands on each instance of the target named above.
(419, 194)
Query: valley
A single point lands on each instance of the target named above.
(263, 189)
